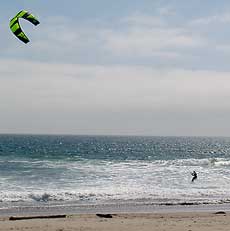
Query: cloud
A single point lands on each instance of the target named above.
(166, 11)
(139, 36)
(64, 98)
(223, 48)
(115, 86)
(221, 18)
(149, 36)
(151, 41)
(132, 75)
(142, 20)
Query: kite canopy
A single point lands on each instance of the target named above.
(16, 28)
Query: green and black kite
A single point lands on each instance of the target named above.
(16, 28)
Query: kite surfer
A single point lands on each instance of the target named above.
(194, 174)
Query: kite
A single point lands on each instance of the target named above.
(16, 28)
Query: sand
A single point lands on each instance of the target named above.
(187, 221)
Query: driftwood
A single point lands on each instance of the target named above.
(220, 212)
(36, 217)
(104, 215)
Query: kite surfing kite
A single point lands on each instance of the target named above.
(16, 28)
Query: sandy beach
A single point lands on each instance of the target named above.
(188, 221)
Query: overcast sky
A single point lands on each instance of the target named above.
(124, 67)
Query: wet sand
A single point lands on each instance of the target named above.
(177, 221)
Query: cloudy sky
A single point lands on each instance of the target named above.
(124, 67)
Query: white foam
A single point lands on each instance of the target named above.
(94, 181)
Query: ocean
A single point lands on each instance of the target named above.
(39, 170)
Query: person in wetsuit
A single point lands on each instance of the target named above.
(194, 174)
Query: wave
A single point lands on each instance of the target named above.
(211, 162)
(156, 181)
(220, 163)
(158, 197)
(87, 164)
(49, 196)
(65, 199)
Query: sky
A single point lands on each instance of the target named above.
(124, 67)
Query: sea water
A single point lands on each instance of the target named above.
(58, 170)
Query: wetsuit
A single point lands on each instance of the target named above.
(194, 174)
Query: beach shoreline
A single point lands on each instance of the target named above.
(114, 208)
(173, 221)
